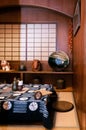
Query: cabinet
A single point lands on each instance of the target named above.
(45, 77)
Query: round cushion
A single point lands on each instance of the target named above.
(62, 106)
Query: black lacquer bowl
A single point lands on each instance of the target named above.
(58, 60)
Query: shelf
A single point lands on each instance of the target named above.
(50, 74)
(37, 72)
(67, 89)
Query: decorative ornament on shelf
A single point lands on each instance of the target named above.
(14, 84)
(36, 65)
(58, 60)
(20, 85)
(22, 67)
(5, 65)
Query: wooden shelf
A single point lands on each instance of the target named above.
(43, 74)
(37, 72)
(67, 89)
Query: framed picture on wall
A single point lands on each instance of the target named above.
(76, 18)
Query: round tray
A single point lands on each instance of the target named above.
(62, 106)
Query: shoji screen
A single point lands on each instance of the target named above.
(27, 41)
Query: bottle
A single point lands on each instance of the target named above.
(20, 85)
(15, 84)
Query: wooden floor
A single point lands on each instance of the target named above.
(63, 121)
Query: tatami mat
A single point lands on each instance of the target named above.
(67, 119)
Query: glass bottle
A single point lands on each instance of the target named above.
(15, 84)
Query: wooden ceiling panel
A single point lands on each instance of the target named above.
(62, 6)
